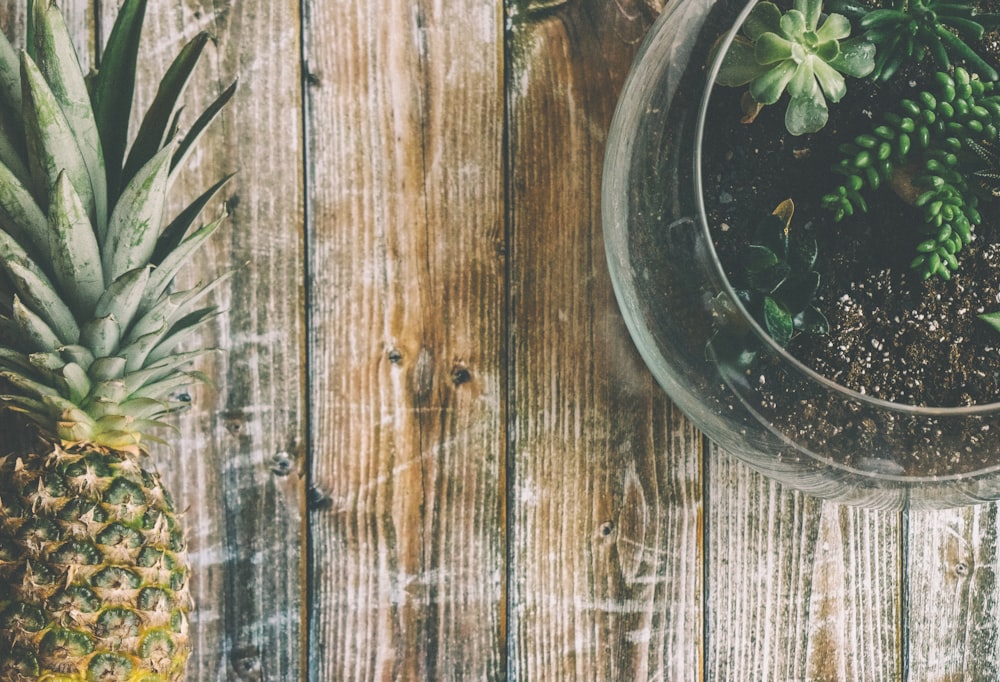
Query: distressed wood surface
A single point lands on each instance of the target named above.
(432, 452)
(407, 280)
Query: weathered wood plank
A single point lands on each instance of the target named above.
(798, 589)
(605, 495)
(953, 594)
(238, 466)
(407, 280)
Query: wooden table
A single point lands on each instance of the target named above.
(432, 452)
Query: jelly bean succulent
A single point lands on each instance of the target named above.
(793, 51)
(929, 151)
(909, 30)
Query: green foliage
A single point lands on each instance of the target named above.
(992, 319)
(928, 145)
(794, 52)
(777, 286)
(909, 30)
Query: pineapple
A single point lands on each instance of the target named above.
(93, 572)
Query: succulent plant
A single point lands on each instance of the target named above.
(909, 30)
(792, 51)
(927, 151)
(777, 286)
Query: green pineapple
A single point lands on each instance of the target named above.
(93, 571)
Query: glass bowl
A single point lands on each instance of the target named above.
(782, 418)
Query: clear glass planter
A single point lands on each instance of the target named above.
(782, 419)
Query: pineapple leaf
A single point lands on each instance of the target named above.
(57, 60)
(50, 138)
(164, 274)
(136, 221)
(78, 354)
(30, 387)
(77, 381)
(122, 298)
(199, 126)
(12, 252)
(25, 220)
(47, 362)
(10, 82)
(162, 369)
(101, 336)
(174, 233)
(76, 257)
(39, 294)
(144, 408)
(137, 351)
(16, 360)
(162, 389)
(166, 310)
(106, 369)
(12, 152)
(113, 88)
(160, 117)
(37, 334)
(182, 331)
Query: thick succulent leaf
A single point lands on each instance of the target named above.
(57, 59)
(76, 258)
(136, 221)
(832, 82)
(771, 48)
(174, 233)
(811, 11)
(25, 220)
(812, 321)
(200, 125)
(111, 391)
(156, 124)
(101, 336)
(836, 27)
(113, 88)
(52, 146)
(49, 362)
(757, 258)
(793, 24)
(739, 65)
(806, 114)
(856, 58)
(768, 88)
(164, 274)
(37, 335)
(764, 17)
(803, 81)
(39, 294)
(122, 297)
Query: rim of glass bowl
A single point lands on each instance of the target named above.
(791, 360)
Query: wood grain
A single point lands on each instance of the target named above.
(952, 595)
(798, 589)
(407, 281)
(605, 497)
(238, 466)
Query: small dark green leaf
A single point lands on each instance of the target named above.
(796, 292)
(771, 233)
(802, 253)
(812, 321)
(777, 321)
(992, 319)
(757, 258)
(769, 279)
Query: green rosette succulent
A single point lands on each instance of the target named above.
(795, 52)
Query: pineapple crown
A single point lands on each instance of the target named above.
(89, 322)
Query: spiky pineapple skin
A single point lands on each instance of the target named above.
(93, 568)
